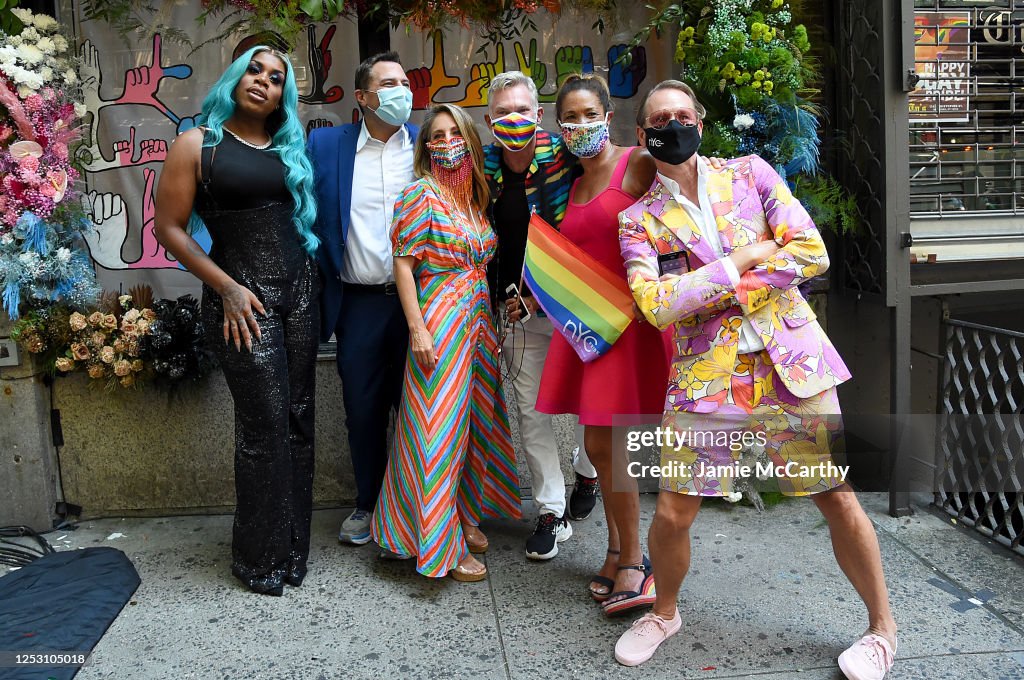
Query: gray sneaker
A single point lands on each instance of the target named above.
(356, 529)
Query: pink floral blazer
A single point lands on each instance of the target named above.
(750, 203)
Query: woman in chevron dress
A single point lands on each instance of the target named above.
(452, 463)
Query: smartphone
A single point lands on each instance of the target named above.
(513, 292)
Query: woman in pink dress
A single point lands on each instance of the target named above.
(630, 379)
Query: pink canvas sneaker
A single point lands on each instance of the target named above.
(869, 658)
(639, 643)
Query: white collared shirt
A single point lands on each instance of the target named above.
(704, 218)
(381, 171)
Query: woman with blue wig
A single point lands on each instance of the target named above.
(244, 173)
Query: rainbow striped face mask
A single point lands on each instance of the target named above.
(514, 131)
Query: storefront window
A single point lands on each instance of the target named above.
(967, 114)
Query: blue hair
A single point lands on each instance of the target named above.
(289, 139)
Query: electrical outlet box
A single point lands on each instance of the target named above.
(8, 352)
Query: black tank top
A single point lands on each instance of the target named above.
(239, 177)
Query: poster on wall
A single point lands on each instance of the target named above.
(942, 61)
(141, 93)
(456, 65)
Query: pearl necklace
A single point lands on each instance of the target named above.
(259, 147)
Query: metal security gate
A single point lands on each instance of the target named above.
(980, 437)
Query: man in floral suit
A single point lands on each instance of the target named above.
(718, 256)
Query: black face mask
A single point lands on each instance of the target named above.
(673, 144)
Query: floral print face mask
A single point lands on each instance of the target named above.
(586, 140)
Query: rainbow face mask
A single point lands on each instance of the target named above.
(514, 131)
(450, 154)
(585, 140)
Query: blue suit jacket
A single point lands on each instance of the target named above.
(332, 151)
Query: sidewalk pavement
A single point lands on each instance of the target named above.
(764, 599)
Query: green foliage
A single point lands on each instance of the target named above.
(749, 62)
(285, 17)
(9, 24)
(831, 205)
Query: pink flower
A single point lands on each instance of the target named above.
(129, 328)
(64, 364)
(33, 103)
(98, 339)
(80, 351)
(28, 164)
(128, 381)
(97, 371)
(107, 354)
(137, 365)
(122, 368)
(95, 319)
(60, 151)
(109, 321)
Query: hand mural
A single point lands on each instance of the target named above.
(480, 76)
(572, 59)
(109, 220)
(141, 84)
(427, 82)
(317, 123)
(537, 70)
(320, 61)
(153, 256)
(624, 79)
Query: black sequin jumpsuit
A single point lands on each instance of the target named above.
(247, 207)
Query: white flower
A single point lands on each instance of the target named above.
(63, 255)
(44, 22)
(29, 35)
(734, 497)
(61, 43)
(7, 239)
(80, 110)
(742, 121)
(46, 73)
(15, 40)
(47, 45)
(23, 14)
(30, 54)
(70, 77)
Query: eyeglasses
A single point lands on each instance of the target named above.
(661, 118)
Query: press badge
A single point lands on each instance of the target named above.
(676, 263)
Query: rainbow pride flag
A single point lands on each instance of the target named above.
(588, 304)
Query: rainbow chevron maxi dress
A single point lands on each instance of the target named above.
(452, 450)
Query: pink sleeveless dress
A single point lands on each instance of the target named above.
(631, 378)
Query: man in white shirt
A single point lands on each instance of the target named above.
(360, 170)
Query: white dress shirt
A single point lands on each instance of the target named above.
(382, 170)
(704, 218)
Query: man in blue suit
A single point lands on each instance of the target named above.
(360, 170)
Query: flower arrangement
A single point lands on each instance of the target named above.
(175, 345)
(124, 340)
(751, 67)
(42, 256)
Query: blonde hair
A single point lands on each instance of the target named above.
(504, 81)
(421, 156)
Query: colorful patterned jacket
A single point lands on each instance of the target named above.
(750, 203)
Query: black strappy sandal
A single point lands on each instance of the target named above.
(644, 596)
(602, 581)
